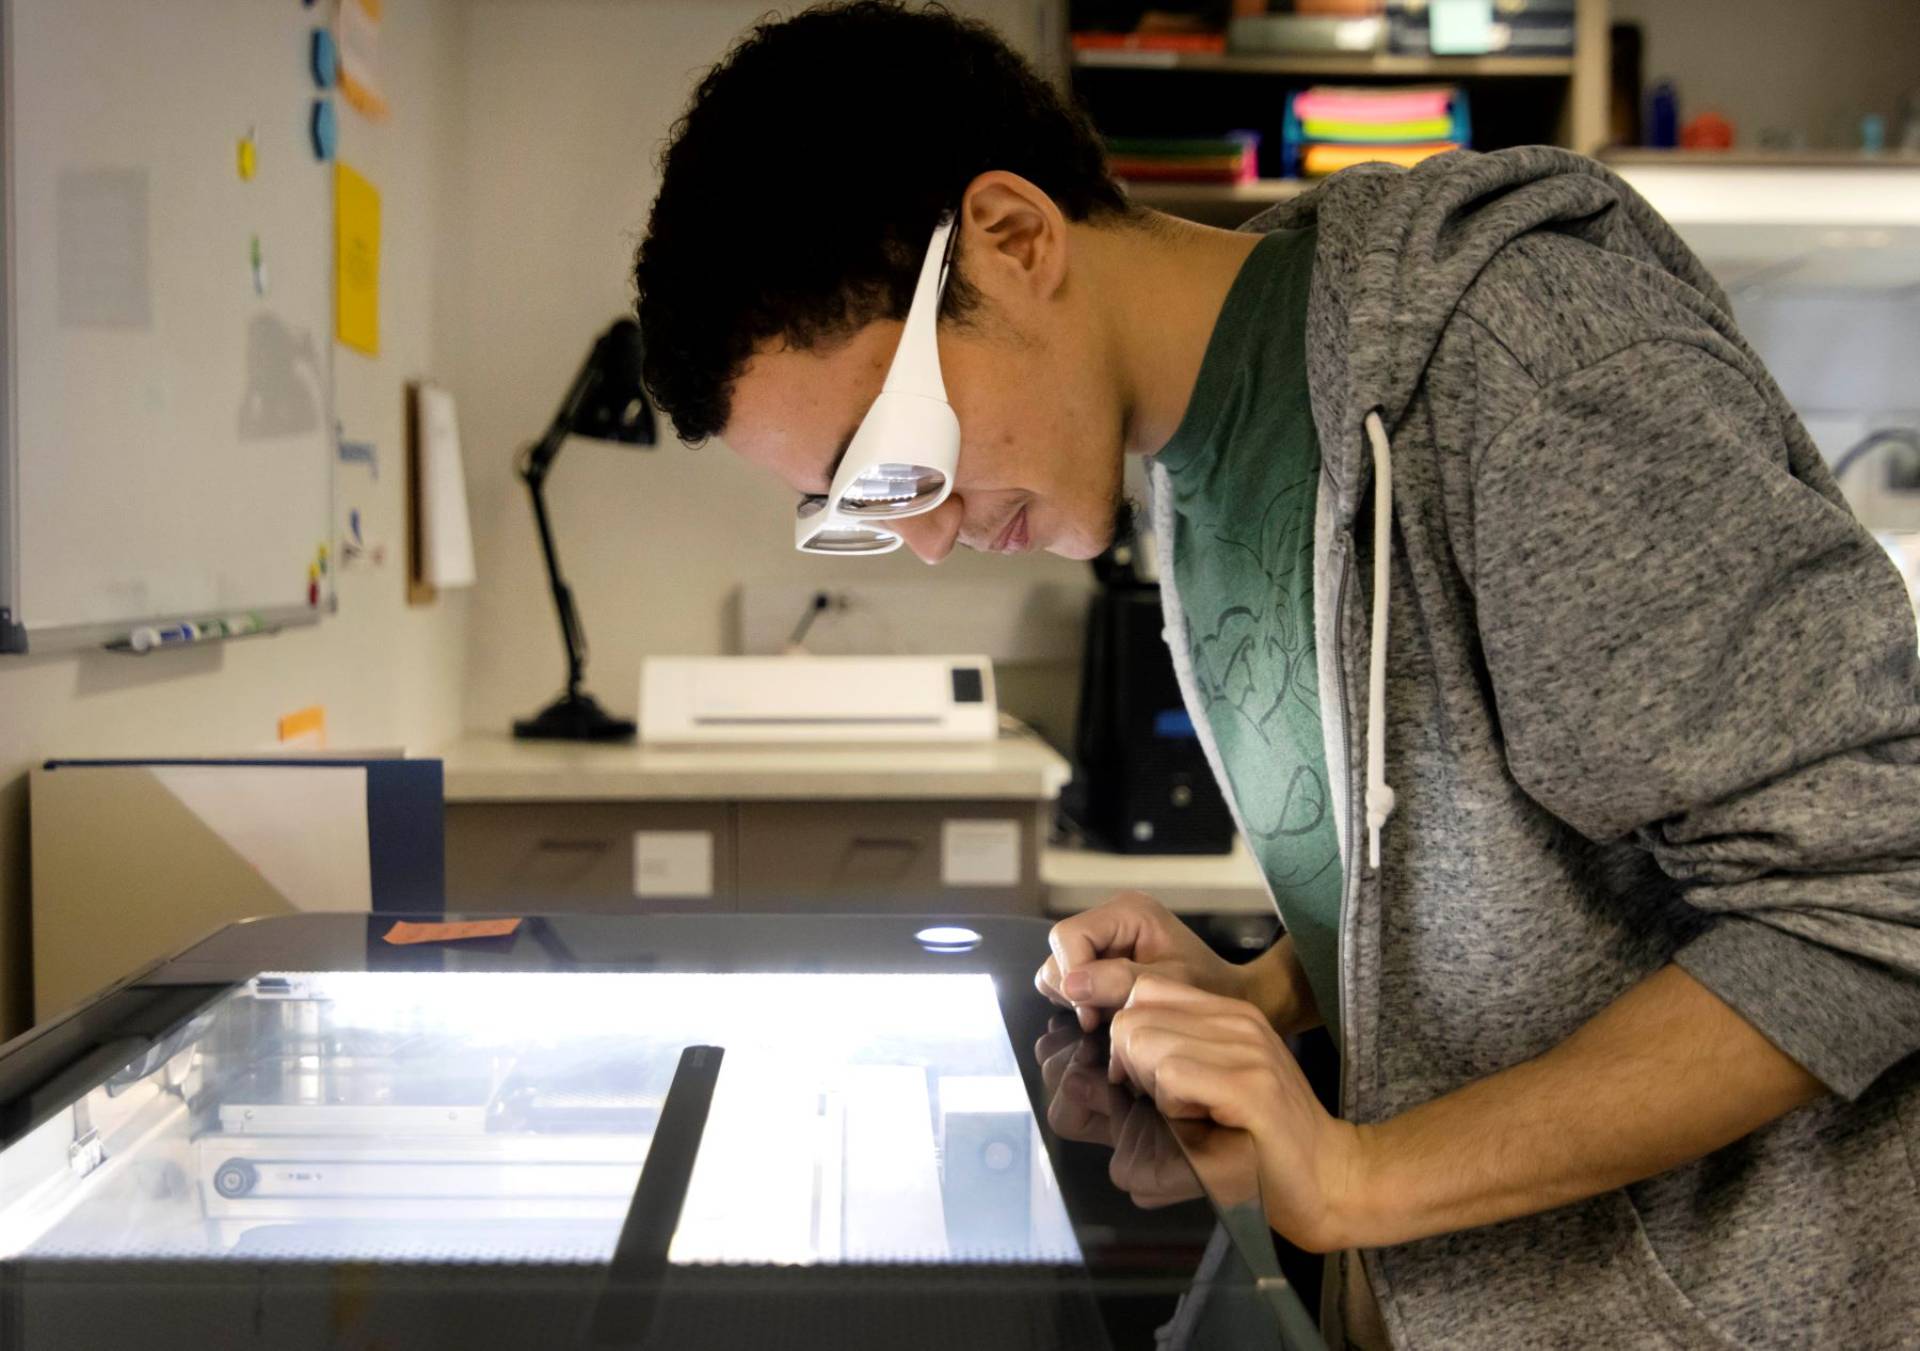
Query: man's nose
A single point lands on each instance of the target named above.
(933, 534)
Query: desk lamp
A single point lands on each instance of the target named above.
(605, 403)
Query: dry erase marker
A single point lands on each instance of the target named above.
(145, 640)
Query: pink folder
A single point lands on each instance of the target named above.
(1349, 105)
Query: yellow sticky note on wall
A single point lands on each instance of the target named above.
(356, 264)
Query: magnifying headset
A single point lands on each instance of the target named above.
(901, 460)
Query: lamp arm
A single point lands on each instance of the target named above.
(541, 455)
(534, 466)
(533, 474)
(608, 373)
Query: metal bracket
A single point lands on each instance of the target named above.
(86, 1153)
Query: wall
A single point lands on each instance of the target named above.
(387, 675)
(1846, 359)
(568, 105)
(1814, 65)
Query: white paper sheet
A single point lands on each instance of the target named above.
(446, 535)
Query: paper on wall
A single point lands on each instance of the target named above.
(446, 533)
(357, 34)
(102, 264)
(356, 228)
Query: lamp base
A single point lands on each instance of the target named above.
(573, 717)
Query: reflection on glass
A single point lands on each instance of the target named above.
(505, 1117)
(1239, 1297)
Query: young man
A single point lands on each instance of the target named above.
(1465, 484)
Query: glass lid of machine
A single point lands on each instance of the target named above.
(508, 1117)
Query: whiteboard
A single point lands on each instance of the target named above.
(168, 427)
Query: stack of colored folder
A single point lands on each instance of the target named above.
(1328, 129)
(1233, 158)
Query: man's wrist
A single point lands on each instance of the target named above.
(1274, 983)
(1262, 987)
(1353, 1219)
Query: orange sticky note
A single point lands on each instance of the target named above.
(404, 931)
(305, 727)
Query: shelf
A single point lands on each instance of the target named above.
(1828, 222)
(1187, 884)
(1642, 158)
(1333, 64)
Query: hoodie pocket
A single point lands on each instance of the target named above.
(1903, 1085)
(1675, 1314)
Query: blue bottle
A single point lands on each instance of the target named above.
(1663, 116)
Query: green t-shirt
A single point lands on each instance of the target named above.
(1244, 467)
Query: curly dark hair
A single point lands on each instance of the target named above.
(798, 192)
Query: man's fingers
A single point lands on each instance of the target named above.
(1153, 989)
(1225, 1033)
(1185, 1087)
(1047, 981)
(1114, 929)
(1106, 984)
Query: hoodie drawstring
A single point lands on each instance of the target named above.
(1379, 795)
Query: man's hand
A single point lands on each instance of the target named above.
(1202, 1056)
(1098, 955)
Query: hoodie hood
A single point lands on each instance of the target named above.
(1399, 248)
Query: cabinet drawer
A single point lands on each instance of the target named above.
(530, 857)
(885, 856)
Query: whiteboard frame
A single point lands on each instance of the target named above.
(15, 639)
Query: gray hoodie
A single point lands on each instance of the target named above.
(1647, 693)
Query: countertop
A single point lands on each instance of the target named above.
(494, 767)
(1187, 884)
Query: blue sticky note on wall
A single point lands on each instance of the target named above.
(1461, 27)
(325, 59)
(323, 129)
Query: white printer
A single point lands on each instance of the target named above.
(694, 700)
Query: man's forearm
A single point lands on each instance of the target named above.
(1665, 1074)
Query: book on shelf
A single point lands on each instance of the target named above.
(1191, 159)
(1330, 127)
(1172, 43)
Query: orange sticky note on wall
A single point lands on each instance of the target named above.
(307, 727)
(405, 931)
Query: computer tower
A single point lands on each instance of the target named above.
(1142, 784)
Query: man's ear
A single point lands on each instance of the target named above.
(1013, 237)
